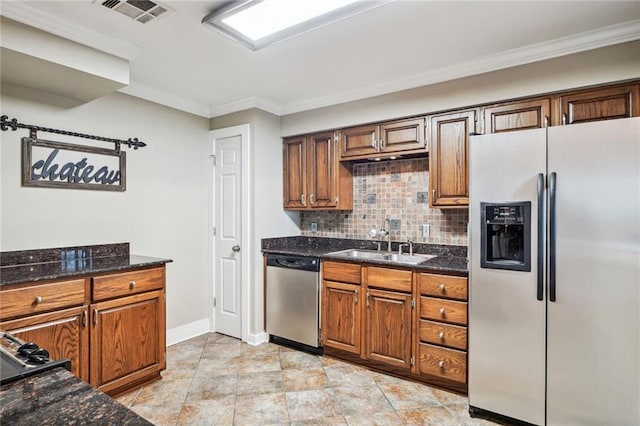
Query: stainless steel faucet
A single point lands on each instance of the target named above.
(386, 231)
(408, 243)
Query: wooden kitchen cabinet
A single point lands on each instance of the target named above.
(518, 115)
(383, 140)
(313, 177)
(442, 329)
(111, 326)
(341, 306)
(603, 103)
(341, 316)
(127, 341)
(64, 333)
(388, 328)
(448, 158)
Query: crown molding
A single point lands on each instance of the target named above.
(247, 103)
(602, 37)
(163, 98)
(27, 14)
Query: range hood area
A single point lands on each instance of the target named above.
(45, 62)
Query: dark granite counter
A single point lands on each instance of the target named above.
(450, 260)
(65, 262)
(57, 397)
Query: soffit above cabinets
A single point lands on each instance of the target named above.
(38, 60)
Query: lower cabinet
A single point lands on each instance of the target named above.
(341, 316)
(63, 333)
(111, 327)
(405, 322)
(388, 328)
(127, 341)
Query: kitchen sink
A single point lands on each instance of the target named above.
(380, 255)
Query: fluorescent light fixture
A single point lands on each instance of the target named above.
(257, 23)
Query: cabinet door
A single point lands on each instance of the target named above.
(127, 341)
(359, 141)
(63, 333)
(341, 316)
(388, 328)
(448, 165)
(294, 183)
(405, 136)
(600, 104)
(530, 114)
(321, 166)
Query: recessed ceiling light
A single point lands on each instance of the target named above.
(257, 23)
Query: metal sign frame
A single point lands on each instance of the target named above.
(75, 180)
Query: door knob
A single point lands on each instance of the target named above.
(236, 248)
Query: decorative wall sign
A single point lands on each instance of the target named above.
(64, 165)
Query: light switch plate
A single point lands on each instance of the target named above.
(314, 227)
(425, 230)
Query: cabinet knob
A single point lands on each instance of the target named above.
(132, 284)
(442, 288)
(441, 364)
(39, 299)
(442, 311)
(441, 335)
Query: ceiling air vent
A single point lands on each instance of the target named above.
(142, 11)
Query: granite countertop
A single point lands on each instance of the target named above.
(65, 262)
(58, 397)
(451, 260)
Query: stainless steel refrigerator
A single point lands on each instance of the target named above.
(554, 304)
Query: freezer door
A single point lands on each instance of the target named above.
(593, 325)
(506, 313)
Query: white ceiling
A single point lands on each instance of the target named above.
(179, 62)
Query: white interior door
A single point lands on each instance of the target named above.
(228, 236)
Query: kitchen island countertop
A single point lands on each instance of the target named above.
(58, 397)
(50, 264)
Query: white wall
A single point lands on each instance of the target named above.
(609, 64)
(268, 219)
(163, 212)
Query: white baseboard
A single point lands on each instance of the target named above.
(187, 331)
(258, 338)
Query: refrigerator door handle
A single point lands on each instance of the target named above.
(552, 237)
(540, 286)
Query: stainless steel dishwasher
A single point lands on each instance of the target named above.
(293, 301)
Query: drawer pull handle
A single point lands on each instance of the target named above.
(95, 317)
(441, 335)
(442, 311)
(39, 300)
(441, 364)
(442, 288)
(132, 285)
(355, 297)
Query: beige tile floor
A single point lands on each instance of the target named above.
(217, 380)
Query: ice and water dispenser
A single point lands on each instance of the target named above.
(506, 236)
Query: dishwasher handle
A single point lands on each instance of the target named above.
(294, 262)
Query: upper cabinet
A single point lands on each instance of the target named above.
(313, 176)
(448, 165)
(384, 140)
(603, 103)
(519, 115)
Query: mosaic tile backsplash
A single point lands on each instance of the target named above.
(398, 190)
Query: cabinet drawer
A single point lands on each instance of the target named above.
(391, 279)
(41, 298)
(443, 286)
(439, 333)
(341, 272)
(446, 363)
(443, 310)
(116, 285)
